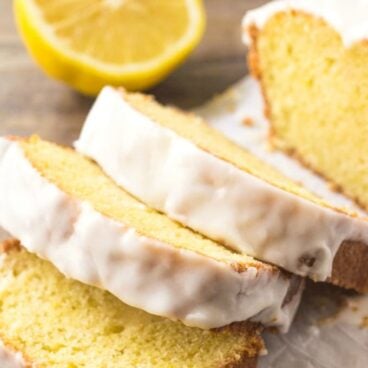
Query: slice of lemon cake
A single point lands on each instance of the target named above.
(177, 164)
(311, 58)
(65, 209)
(52, 321)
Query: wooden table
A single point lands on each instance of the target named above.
(32, 103)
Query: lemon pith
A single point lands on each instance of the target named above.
(91, 43)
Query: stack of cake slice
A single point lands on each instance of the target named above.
(169, 297)
(140, 279)
(158, 242)
(179, 165)
(62, 207)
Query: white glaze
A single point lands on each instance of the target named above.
(145, 273)
(11, 359)
(347, 17)
(210, 195)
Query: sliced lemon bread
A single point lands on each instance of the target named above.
(177, 164)
(52, 321)
(311, 58)
(65, 209)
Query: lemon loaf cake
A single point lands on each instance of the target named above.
(61, 206)
(311, 58)
(55, 322)
(177, 164)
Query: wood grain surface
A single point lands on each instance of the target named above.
(30, 102)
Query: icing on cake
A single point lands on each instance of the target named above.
(143, 272)
(212, 196)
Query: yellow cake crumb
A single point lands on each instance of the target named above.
(60, 323)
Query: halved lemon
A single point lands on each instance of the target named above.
(91, 43)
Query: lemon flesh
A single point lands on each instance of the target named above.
(91, 43)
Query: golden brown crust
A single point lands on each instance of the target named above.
(244, 362)
(249, 357)
(350, 269)
(255, 69)
(9, 245)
